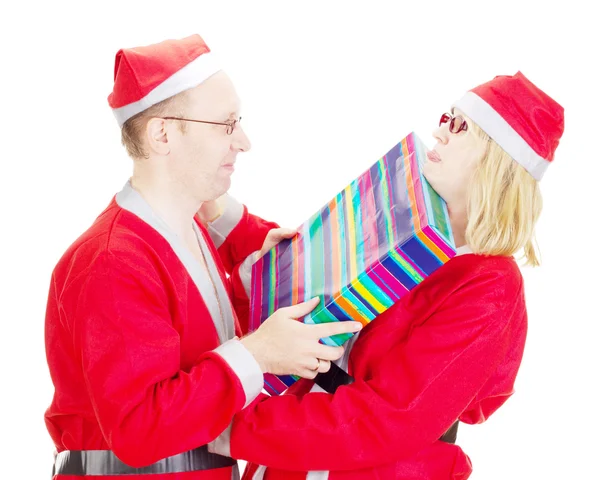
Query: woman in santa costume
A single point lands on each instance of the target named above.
(450, 350)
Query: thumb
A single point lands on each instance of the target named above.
(301, 309)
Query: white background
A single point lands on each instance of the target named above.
(327, 88)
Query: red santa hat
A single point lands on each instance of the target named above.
(145, 76)
(519, 117)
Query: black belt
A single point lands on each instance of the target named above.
(105, 462)
(336, 377)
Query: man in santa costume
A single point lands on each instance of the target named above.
(449, 350)
(146, 307)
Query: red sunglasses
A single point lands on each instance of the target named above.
(457, 124)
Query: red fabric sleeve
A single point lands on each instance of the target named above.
(147, 408)
(412, 398)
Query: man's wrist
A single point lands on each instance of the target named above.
(252, 344)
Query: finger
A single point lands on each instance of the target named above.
(301, 309)
(280, 233)
(315, 364)
(336, 328)
(275, 236)
(309, 362)
(307, 373)
(324, 366)
(325, 352)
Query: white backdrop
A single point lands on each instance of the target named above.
(327, 88)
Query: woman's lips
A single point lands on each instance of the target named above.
(433, 156)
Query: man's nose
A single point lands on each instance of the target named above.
(241, 142)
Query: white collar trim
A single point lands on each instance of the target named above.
(463, 250)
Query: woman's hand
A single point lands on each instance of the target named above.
(275, 236)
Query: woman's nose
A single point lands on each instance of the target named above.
(441, 133)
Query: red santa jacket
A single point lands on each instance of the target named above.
(448, 350)
(141, 362)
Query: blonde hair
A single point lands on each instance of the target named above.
(132, 131)
(503, 205)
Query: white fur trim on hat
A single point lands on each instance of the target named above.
(492, 123)
(190, 76)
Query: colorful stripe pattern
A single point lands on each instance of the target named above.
(363, 251)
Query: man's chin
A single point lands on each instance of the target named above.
(223, 185)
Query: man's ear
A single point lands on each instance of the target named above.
(157, 136)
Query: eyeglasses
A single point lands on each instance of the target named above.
(230, 125)
(457, 124)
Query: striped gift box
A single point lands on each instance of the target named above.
(363, 251)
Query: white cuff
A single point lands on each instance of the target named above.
(245, 366)
(245, 271)
(224, 225)
(222, 444)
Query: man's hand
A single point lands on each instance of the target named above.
(284, 346)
